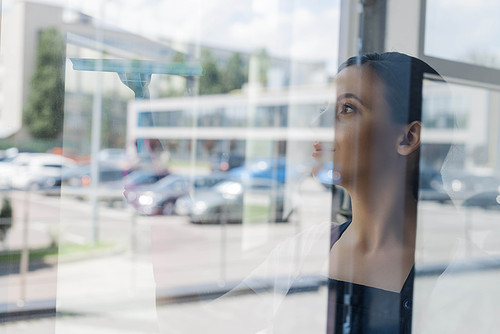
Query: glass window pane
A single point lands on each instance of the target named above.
(204, 166)
(446, 35)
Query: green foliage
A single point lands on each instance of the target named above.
(234, 74)
(219, 80)
(29, 145)
(5, 218)
(211, 81)
(6, 211)
(53, 253)
(43, 114)
(178, 57)
(173, 90)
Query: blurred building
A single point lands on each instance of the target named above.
(272, 120)
(269, 113)
(21, 24)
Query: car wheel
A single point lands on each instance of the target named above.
(168, 209)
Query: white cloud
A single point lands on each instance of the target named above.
(301, 34)
(305, 30)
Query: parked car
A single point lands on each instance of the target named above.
(271, 169)
(115, 157)
(471, 189)
(142, 177)
(467, 184)
(7, 169)
(160, 197)
(462, 186)
(50, 185)
(8, 154)
(325, 175)
(38, 170)
(225, 202)
(486, 200)
(431, 184)
(77, 182)
(81, 175)
(227, 161)
(430, 188)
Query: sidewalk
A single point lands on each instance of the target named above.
(100, 303)
(116, 293)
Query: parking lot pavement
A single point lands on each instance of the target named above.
(61, 219)
(109, 294)
(116, 293)
(464, 303)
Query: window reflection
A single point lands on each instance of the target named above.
(194, 205)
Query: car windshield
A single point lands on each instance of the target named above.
(207, 181)
(167, 182)
(139, 176)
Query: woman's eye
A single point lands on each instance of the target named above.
(345, 109)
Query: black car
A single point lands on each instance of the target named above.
(160, 197)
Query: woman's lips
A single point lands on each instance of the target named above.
(320, 149)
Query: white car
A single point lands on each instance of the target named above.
(6, 167)
(32, 168)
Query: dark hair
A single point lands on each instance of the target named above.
(402, 76)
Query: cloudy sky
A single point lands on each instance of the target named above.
(461, 29)
(300, 29)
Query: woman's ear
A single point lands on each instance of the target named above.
(409, 141)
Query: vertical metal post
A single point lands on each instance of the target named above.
(467, 233)
(96, 138)
(372, 24)
(223, 241)
(349, 29)
(25, 250)
(134, 248)
(133, 233)
(94, 151)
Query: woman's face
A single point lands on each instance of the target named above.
(365, 145)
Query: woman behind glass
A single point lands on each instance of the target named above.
(376, 154)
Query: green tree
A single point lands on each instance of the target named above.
(211, 81)
(178, 57)
(173, 90)
(235, 74)
(43, 114)
(5, 218)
